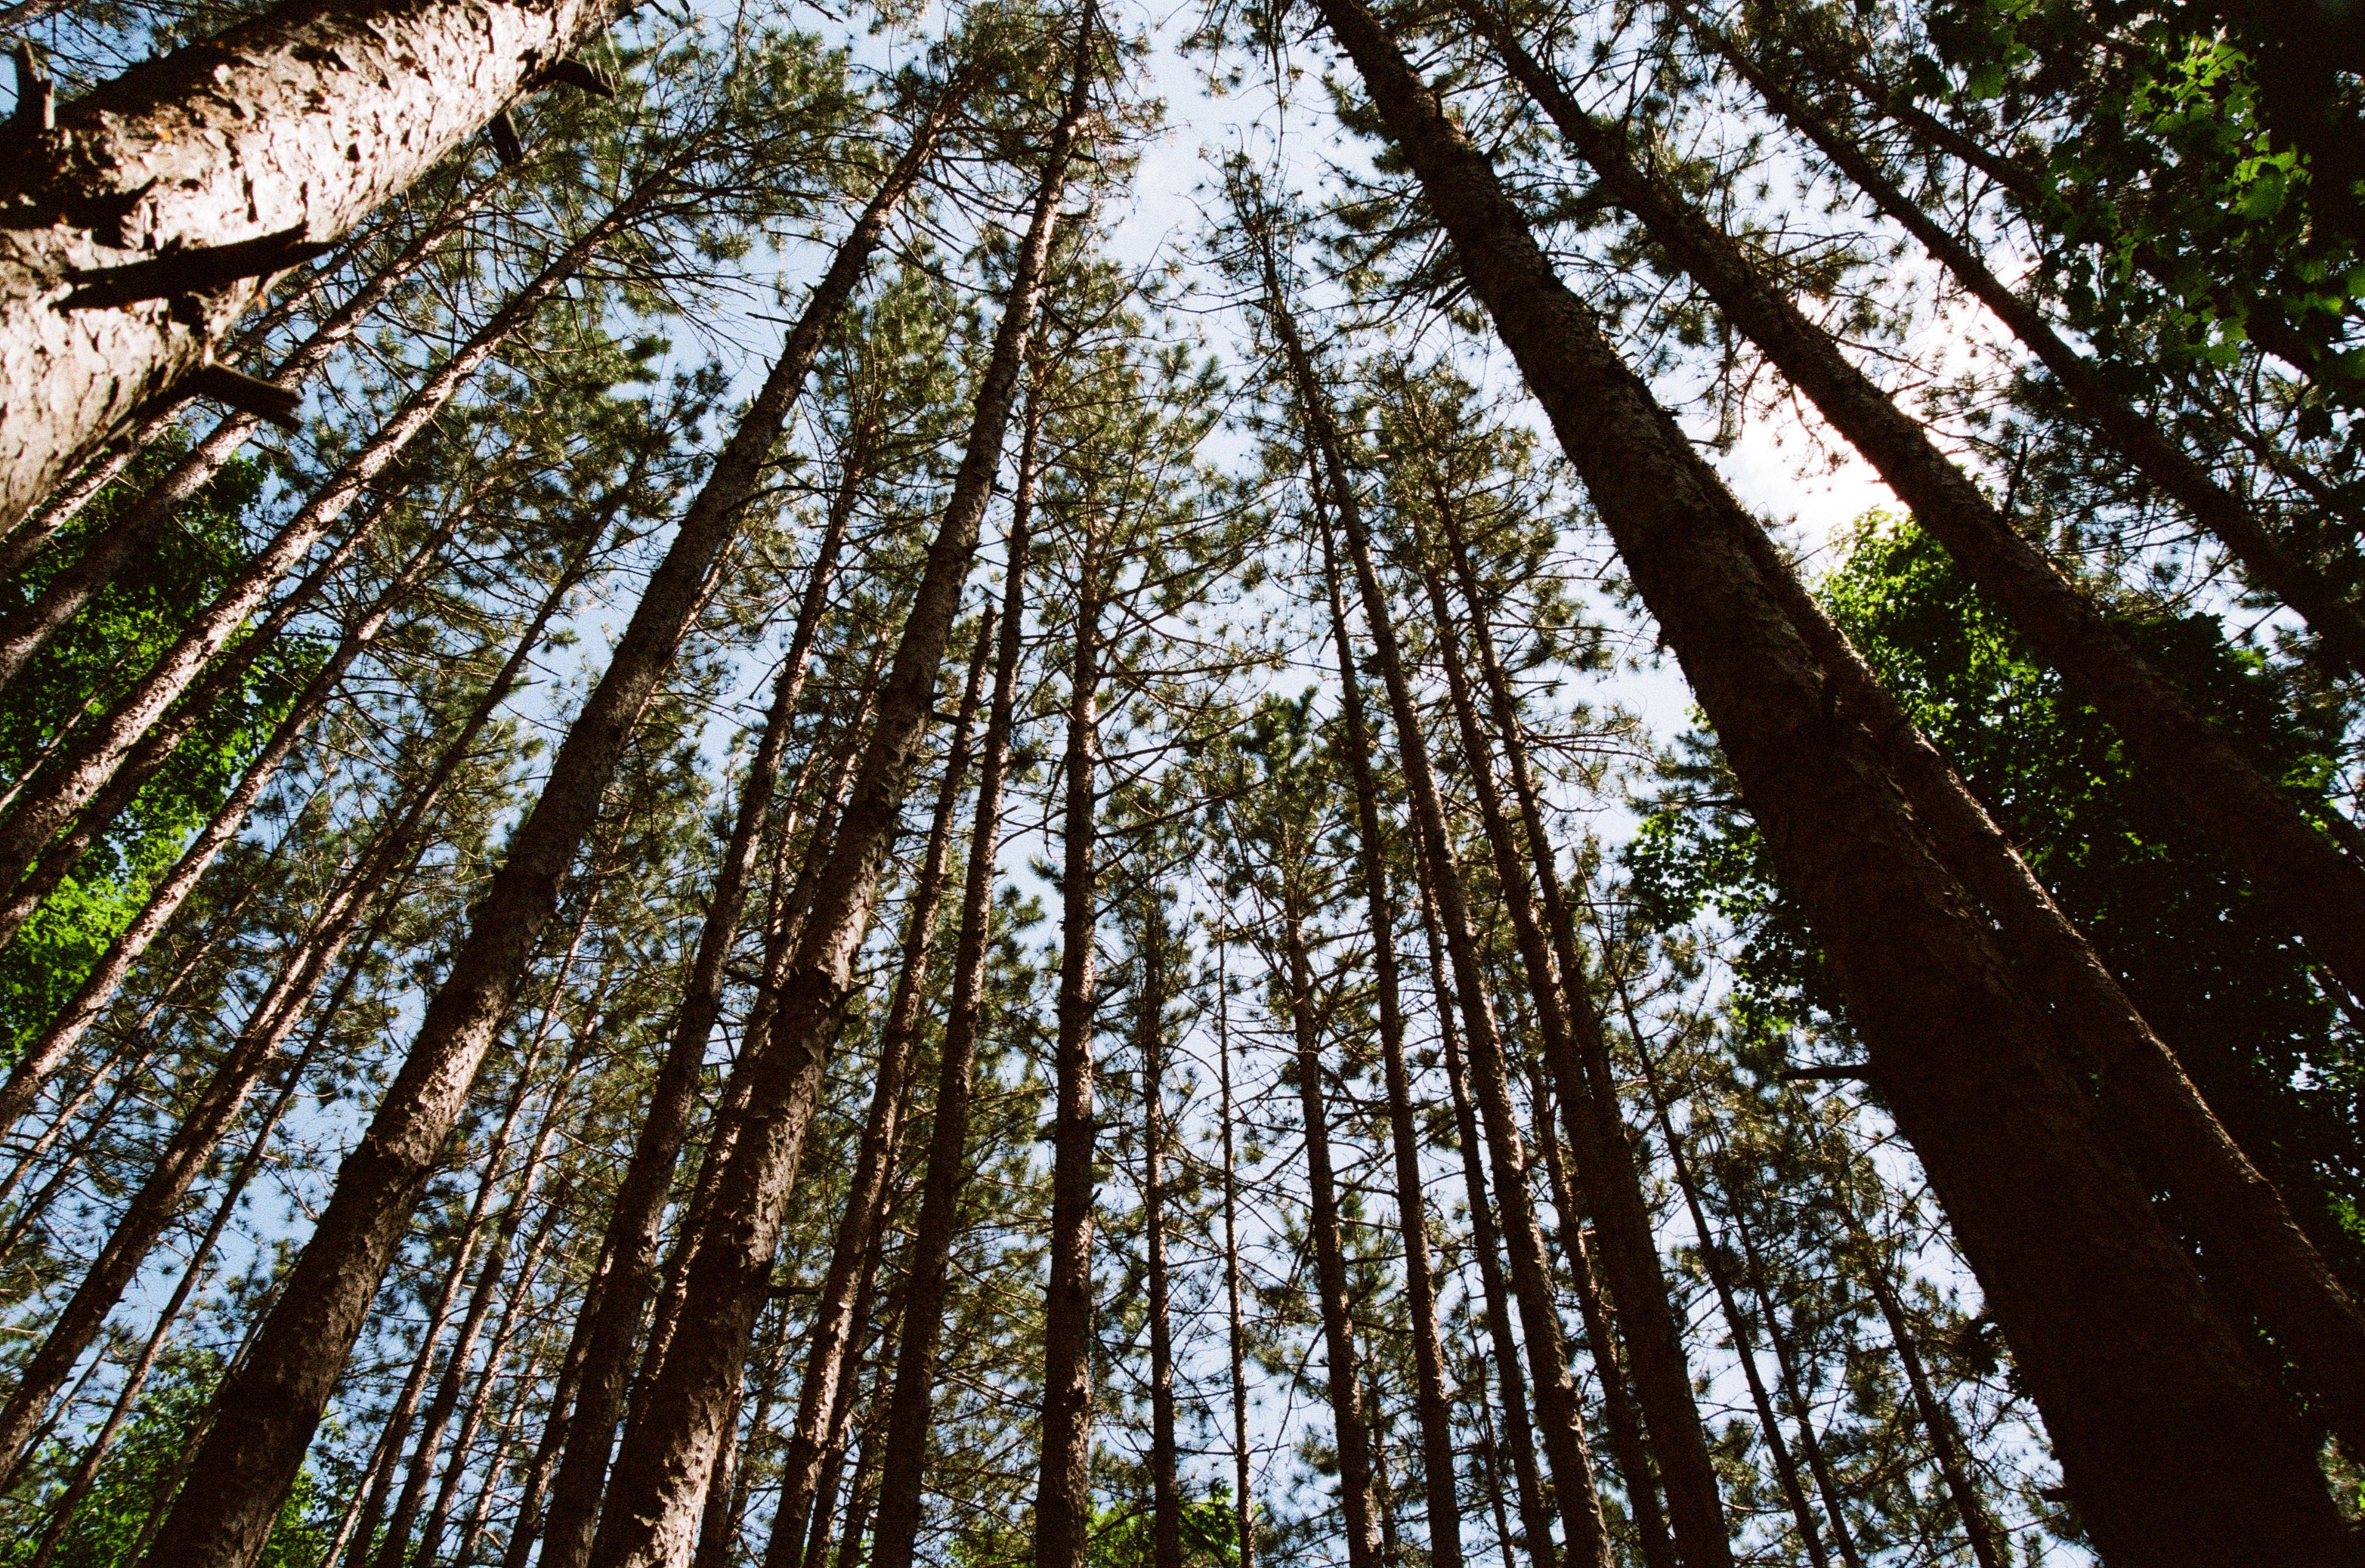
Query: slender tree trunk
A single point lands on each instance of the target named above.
(658, 1477)
(1431, 1401)
(525, 1523)
(1494, 1458)
(1607, 1171)
(2319, 888)
(1989, 1547)
(1352, 1438)
(71, 781)
(1627, 1439)
(617, 1298)
(1243, 1506)
(198, 177)
(1165, 1494)
(831, 1331)
(25, 631)
(1486, 1243)
(903, 1436)
(2171, 1439)
(105, 978)
(815, 1548)
(267, 1414)
(1556, 1401)
(1063, 1503)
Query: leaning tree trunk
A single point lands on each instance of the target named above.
(265, 1414)
(1063, 1503)
(652, 1503)
(25, 631)
(903, 1430)
(1556, 1400)
(2170, 1438)
(1607, 1171)
(1430, 1401)
(163, 200)
(68, 784)
(830, 1331)
(1350, 1436)
(2319, 888)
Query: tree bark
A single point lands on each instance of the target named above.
(654, 1495)
(831, 1331)
(2320, 889)
(25, 631)
(2171, 1439)
(1063, 1503)
(1556, 1401)
(1432, 1403)
(195, 178)
(1165, 1494)
(267, 1413)
(1243, 1507)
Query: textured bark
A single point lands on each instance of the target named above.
(1350, 1436)
(1165, 1494)
(1607, 1171)
(1063, 1503)
(2320, 889)
(1556, 1403)
(25, 632)
(831, 1330)
(659, 1479)
(2149, 449)
(288, 129)
(1430, 1401)
(903, 1434)
(69, 783)
(2172, 1440)
(267, 1413)
(1485, 1244)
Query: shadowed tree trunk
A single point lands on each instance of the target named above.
(2170, 1438)
(1166, 1496)
(265, 1414)
(653, 1496)
(187, 183)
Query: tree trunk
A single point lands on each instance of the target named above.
(2170, 1438)
(70, 782)
(1556, 1401)
(267, 1414)
(1432, 1403)
(187, 183)
(25, 631)
(1989, 1547)
(1607, 1171)
(617, 1297)
(525, 1523)
(1243, 1506)
(2319, 888)
(831, 1331)
(1351, 1440)
(1486, 1243)
(1165, 1495)
(1063, 1503)
(655, 1489)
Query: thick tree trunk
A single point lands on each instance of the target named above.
(657, 1482)
(1432, 1403)
(25, 631)
(267, 1413)
(2171, 1439)
(1556, 1403)
(1607, 1171)
(1063, 1503)
(171, 194)
(1485, 1244)
(1350, 1436)
(2320, 889)
(69, 783)
(617, 1297)
(1165, 1492)
(831, 1330)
